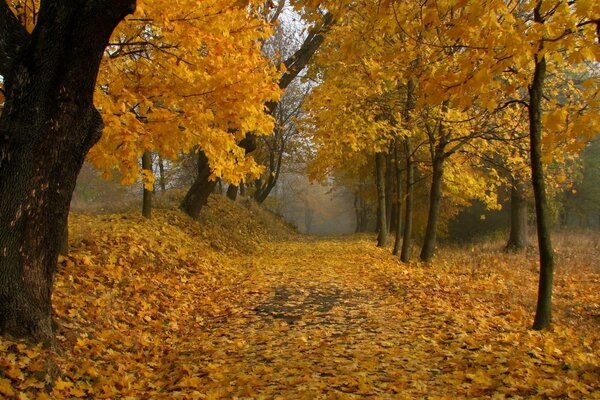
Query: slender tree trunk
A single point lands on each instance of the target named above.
(389, 189)
(365, 216)
(398, 241)
(242, 189)
(435, 200)
(408, 207)
(197, 195)
(519, 236)
(543, 313)
(47, 126)
(163, 179)
(381, 212)
(357, 212)
(232, 192)
(148, 194)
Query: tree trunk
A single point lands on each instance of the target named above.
(408, 206)
(357, 212)
(47, 126)
(197, 195)
(232, 192)
(148, 194)
(162, 178)
(408, 212)
(242, 189)
(389, 189)
(543, 313)
(435, 200)
(398, 215)
(381, 213)
(64, 241)
(519, 236)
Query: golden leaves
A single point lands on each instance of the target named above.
(184, 77)
(158, 313)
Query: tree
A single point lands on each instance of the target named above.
(187, 79)
(294, 64)
(48, 124)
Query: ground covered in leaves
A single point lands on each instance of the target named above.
(220, 309)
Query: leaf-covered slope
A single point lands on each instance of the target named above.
(151, 309)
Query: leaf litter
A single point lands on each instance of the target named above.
(175, 309)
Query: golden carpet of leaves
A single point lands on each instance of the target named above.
(172, 309)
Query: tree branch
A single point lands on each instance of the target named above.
(13, 37)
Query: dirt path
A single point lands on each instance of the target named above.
(329, 320)
(318, 329)
(322, 325)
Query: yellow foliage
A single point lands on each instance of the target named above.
(175, 78)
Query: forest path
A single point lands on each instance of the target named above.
(322, 322)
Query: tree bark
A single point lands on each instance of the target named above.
(148, 194)
(408, 206)
(543, 313)
(389, 189)
(64, 241)
(381, 213)
(232, 192)
(47, 126)
(519, 235)
(162, 178)
(197, 195)
(398, 215)
(435, 200)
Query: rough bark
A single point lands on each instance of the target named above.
(381, 213)
(519, 236)
(543, 313)
(47, 126)
(408, 206)
(398, 215)
(197, 195)
(148, 194)
(64, 240)
(435, 200)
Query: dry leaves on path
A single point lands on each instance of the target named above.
(148, 311)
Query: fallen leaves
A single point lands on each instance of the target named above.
(147, 309)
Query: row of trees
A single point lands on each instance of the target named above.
(459, 93)
(427, 89)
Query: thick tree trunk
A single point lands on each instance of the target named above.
(435, 200)
(148, 194)
(398, 215)
(64, 240)
(381, 213)
(519, 235)
(197, 195)
(232, 192)
(47, 126)
(408, 206)
(543, 313)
